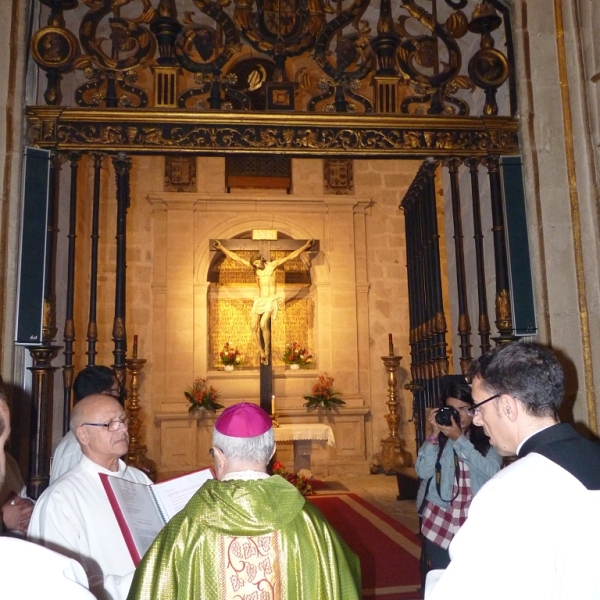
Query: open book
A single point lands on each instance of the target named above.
(143, 510)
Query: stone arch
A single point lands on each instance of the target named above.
(234, 227)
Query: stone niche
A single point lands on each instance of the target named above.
(326, 291)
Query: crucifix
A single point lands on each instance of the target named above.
(265, 305)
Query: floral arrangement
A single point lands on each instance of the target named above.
(300, 480)
(323, 394)
(201, 395)
(230, 355)
(295, 354)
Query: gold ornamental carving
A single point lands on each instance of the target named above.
(118, 331)
(503, 312)
(178, 132)
(299, 55)
(464, 323)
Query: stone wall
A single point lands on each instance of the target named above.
(359, 282)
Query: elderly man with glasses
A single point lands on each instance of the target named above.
(74, 517)
(90, 380)
(531, 529)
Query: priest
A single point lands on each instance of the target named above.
(97, 379)
(55, 575)
(247, 534)
(74, 517)
(532, 528)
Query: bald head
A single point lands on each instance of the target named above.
(90, 421)
(90, 406)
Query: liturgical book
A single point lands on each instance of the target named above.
(143, 510)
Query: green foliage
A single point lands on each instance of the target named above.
(200, 395)
(323, 394)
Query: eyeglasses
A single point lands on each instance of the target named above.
(113, 425)
(475, 408)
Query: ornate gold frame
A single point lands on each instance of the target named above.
(166, 132)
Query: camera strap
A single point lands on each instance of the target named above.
(438, 474)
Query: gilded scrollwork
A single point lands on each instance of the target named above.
(129, 43)
(115, 46)
(329, 54)
(436, 81)
(384, 141)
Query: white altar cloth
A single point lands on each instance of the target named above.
(304, 431)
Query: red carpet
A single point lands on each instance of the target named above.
(388, 551)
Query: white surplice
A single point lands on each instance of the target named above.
(74, 517)
(530, 535)
(65, 457)
(56, 576)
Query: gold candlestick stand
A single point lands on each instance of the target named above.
(393, 455)
(136, 455)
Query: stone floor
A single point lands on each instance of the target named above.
(381, 491)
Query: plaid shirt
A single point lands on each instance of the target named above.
(441, 524)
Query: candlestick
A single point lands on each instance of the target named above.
(136, 455)
(393, 455)
(273, 417)
(135, 346)
(391, 344)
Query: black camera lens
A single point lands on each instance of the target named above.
(444, 416)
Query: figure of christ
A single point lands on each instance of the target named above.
(265, 305)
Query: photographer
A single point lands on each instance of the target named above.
(453, 464)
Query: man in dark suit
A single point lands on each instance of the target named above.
(530, 528)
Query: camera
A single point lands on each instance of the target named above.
(445, 414)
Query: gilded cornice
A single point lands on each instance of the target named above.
(164, 132)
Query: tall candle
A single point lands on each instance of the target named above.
(391, 344)
(135, 346)
(273, 404)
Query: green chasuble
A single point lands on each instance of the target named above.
(248, 540)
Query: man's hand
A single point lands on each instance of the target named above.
(16, 513)
(217, 245)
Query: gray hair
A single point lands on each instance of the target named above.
(257, 449)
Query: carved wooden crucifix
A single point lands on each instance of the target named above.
(265, 304)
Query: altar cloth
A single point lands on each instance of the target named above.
(304, 431)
